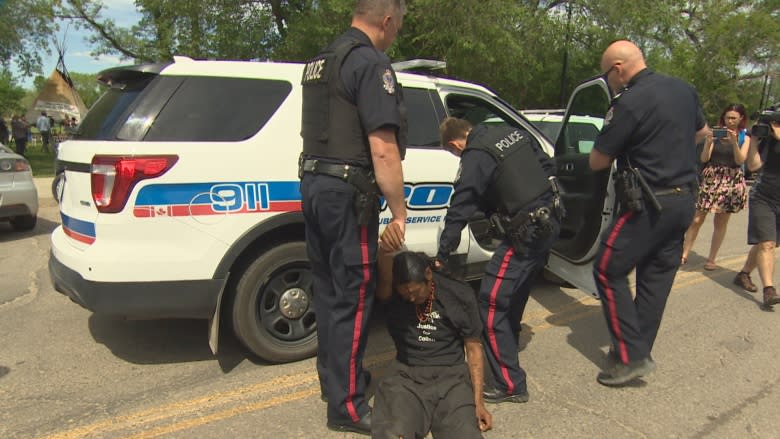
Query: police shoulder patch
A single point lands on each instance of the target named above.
(388, 82)
(608, 117)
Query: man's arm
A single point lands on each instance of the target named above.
(389, 242)
(476, 362)
(598, 160)
(388, 171)
(753, 157)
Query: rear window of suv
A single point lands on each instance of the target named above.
(185, 109)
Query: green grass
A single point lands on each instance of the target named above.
(42, 163)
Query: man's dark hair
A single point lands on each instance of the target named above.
(410, 267)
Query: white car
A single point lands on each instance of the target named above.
(180, 197)
(585, 128)
(18, 195)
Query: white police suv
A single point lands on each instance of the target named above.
(179, 196)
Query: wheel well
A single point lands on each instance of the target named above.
(264, 241)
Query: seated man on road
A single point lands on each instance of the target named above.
(431, 317)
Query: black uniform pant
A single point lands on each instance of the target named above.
(343, 259)
(651, 242)
(21, 145)
(413, 400)
(503, 295)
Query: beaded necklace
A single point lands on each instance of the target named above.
(424, 310)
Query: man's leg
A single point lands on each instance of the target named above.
(507, 278)
(455, 414)
(317, 249)
(622, 246)
(401, 407)
(352, 260)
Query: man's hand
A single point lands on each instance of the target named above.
(484, 418)
(392, 238)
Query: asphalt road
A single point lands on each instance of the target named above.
(66, 373)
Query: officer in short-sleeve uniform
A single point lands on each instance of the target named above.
(504, 172)
(350, 90)
(651, 126)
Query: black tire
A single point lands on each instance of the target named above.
(54, 183)
(24, 223)
(273, 308)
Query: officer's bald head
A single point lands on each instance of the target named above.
(625, 58)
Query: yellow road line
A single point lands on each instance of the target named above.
(546, 319)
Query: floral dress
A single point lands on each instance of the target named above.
(722, 187)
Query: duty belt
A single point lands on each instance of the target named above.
(677, 190)
(362, 178)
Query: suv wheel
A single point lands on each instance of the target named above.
(24, 223)
(273, 310)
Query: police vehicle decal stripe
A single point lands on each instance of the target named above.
(82, 231)
(491, 317)
(608, 291)
(199, 199)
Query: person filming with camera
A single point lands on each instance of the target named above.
(764, 205)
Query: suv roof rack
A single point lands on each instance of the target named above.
(419, 64)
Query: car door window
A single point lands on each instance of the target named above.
(425, 112)
(584, 190)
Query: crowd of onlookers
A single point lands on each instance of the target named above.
(20, 132)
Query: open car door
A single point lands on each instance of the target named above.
(588, 196)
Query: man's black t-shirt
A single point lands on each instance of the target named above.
(438, 340)
(768, 187)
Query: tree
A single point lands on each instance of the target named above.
(26, 27)
(10, 95)
(87, 86)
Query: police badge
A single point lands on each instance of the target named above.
(608, 117)
(388, 83)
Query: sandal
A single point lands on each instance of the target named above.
(710, 265)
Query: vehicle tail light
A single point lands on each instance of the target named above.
(114, 177)
(14, 165)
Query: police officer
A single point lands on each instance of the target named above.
(651, 128)
(504, 173)
(353, 130)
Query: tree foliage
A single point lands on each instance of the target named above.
(10, 95)
(26, 27)
(533, 53)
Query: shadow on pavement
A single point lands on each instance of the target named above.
(587, 331)
(167, 341)
(43, 227)
(725, 278)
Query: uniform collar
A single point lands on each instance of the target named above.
(638, 77)
(359, 35)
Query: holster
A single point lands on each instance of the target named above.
(366, 199)
(535, 225)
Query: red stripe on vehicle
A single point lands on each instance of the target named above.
(358, 324)
(78, 236)
(610, 293)
(492, 315)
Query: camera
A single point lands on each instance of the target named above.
(719, 132)
(763, 126)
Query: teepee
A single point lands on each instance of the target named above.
(58, 98)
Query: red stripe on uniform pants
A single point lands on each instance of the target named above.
(611, 305)
(358, 324)
(491, 316)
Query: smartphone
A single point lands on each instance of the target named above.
(719, 133)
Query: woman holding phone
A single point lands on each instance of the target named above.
(722, 187)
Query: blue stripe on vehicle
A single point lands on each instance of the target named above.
(82, 227)
(185, 193)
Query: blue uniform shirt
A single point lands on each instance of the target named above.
(370, 83)
(475, 175)
(654, 121)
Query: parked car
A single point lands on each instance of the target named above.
(550, 122)
(180, 196)
(18, 195)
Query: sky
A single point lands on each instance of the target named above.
(77, 49)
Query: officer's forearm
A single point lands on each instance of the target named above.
(388, 171)
(476, 362)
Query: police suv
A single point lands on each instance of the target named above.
(179, 196)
